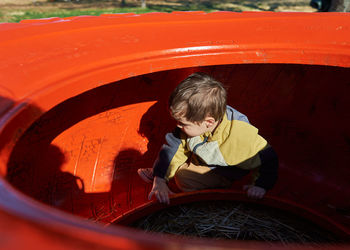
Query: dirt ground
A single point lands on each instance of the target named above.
(10, 8)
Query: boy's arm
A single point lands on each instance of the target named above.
(171, 156)
(267, 174)
(268, 171)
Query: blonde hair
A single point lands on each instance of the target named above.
(197, 97)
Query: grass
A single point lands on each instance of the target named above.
(16, 13)
(16, 17)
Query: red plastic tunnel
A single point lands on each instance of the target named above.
(83, 105)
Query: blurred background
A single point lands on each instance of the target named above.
(16, 10)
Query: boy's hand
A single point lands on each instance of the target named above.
(161, 190)
(254, 192)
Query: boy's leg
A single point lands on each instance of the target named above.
(190, 177)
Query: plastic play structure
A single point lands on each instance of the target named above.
(83, 105)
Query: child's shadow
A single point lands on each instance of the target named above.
(35, 168)
(40, 175)
(62, 187)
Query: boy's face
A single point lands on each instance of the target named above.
(192, 129)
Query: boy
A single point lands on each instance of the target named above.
(212, 145)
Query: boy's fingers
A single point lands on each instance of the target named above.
(163, 198)
(246, 187)
(252, 193)
(150, 195)
(166, 199)
(253, 196)
(256, 194)
(167, 195)
(159, 197)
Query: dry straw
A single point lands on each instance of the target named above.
(232, 220)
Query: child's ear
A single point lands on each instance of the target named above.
(210, 121)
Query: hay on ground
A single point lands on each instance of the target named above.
(232, 220)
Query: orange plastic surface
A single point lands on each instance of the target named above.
(83, 105)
